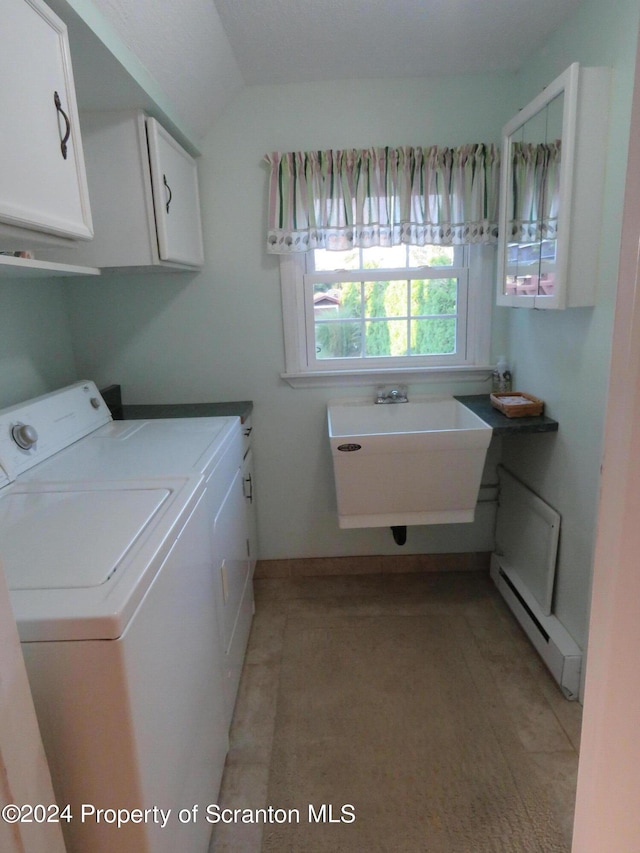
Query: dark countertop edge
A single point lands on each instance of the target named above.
(140, 411)
(480, 405)
(239, 408)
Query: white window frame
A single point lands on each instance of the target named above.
(302, 369)
(461, 273)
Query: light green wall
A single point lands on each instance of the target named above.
(35, 341)
(563, 356)
(218, 335)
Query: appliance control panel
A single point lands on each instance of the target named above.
(32, 431)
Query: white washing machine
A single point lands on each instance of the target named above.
(117, 547)
(112, 449)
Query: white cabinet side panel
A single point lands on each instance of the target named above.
(118, 172)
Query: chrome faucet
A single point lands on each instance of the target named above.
(395, 394)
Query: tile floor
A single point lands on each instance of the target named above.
(546, 725)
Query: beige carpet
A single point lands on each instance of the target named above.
(426, 754)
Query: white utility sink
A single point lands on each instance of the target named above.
(419, 462)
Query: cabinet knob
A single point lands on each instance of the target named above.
(67, 131)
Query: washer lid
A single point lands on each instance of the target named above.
(71, 539)
(125, 449)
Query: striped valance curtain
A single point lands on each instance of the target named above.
(535, 187)
(382, 197)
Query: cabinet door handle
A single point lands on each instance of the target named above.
(164, 181)
(67, 123)
(247, 488)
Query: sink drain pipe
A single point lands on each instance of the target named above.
(400, 534)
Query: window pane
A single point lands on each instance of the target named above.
(338, 340)
(385, 299)
(374, 295)
(433, 337)
(326, 301)
(377, 339)
(434, 296)
(347, 260)
(431, 256)
(342, 300)
(387, 337)
(384, 257)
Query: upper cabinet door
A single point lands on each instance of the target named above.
(174, 180)
(551, 194)
(43, 185)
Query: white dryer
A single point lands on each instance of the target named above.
(117, 598)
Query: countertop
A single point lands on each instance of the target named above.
(135, 411)
(235, 408)
(480, 404)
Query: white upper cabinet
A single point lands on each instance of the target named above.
(551, 194)
(176, 199)
(144, 196)
(43, 187)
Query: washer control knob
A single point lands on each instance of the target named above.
(24, 435)
(95, 402)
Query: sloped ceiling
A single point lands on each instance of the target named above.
(202, 52)
(280, 41)
(184, 47)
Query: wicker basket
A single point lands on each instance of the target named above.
(516, 404)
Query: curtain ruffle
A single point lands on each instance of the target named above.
(339, 199)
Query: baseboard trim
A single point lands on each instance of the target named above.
(476, 561)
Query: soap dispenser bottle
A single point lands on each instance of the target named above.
(501, 377)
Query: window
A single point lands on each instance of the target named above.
(381, 305)
(386, 311)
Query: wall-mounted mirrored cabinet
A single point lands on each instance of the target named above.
(551, 193)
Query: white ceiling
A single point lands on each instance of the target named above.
(283, 41)
(201, 52)
(183, 46)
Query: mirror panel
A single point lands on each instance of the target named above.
(531, 204)
(534, 152)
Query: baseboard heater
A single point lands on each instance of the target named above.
(523, 570)
(549, 637)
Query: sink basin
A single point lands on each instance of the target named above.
(426, 417)
(419, 462)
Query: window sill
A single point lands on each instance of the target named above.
(327, 378)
